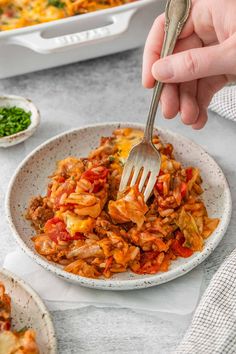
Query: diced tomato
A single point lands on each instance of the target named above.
(93, 175)
(5, 326)
(78, 236)
(9, 13)
(168, 150)
(61, 179)
(148, 263)
(98, 177)
(149, 269)
(51, 222)
(149, 256)
(189, 174)
(183, 189)
(159, 187)
(179, 249)
(97, 188)
(56, 230)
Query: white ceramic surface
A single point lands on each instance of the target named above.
(29, 310)
(31, 179)
(28, 106)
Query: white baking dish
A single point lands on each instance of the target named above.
(76, 38)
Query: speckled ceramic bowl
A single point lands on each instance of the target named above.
(29, 310)
(28, 106)
(30, 179)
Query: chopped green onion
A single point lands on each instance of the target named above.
(13, 120)
(57, 3)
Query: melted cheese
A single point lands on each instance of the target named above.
(125, 142)
(75, 224)
(21, 13)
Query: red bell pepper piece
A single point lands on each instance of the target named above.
(92, 175)
(183, 189)
(159, 187)
(178, 248)
(189, 174)
(56, 230)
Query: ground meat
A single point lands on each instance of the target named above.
(39, 212)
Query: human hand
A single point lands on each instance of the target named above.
(204, 60)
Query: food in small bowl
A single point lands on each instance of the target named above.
(25, 323)
(21, 341)
(19, 118)
(84, 225)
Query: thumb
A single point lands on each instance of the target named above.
(194, 64)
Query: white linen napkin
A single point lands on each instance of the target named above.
(179, 296)
(213, 328)
(224, 102)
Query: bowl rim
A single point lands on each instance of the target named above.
(43, 309)
(35, 118)
(111, 284)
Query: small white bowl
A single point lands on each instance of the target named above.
(28, 310)
(28, 106)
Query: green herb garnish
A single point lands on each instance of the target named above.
(13, 120)
(57, 3)
(187, 244)
(111, 158)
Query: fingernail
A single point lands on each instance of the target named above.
(162, 70)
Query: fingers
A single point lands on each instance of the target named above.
(191, 65)
(184, 101)
(199, 70)
(206, 89)
(202, 119)
(189, 108)
(152, 50)
(170, 101)
(153, 46)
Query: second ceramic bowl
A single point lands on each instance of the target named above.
(28, 106)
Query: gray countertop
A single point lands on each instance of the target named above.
(109, 89)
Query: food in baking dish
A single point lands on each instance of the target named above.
(21, 342)
(22, 13)
(82, 225)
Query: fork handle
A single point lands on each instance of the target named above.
(176, 14)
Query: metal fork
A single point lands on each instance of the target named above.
(144, 161)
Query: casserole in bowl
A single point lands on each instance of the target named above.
(77, 38)
(27, 313)
(31, 177)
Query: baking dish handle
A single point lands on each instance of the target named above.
(35, 41)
